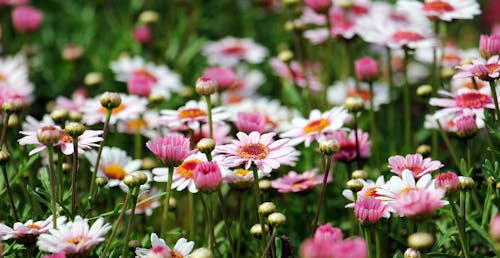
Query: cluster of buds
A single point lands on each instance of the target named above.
(135, 179)
(274, 218)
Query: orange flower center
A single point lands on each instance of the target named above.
(145, 73)
(77, 240)
(115, 110)
(65, 137)
(175, 254)
(438, 6)
(364, 94)
(492, 67)
(371, 192)
(407, 190)
(473, 100)
(34, 226)
(114, 171)
(316, 125)
(137, 124)
(3, 78)
(253, 151)
(406, 36)
(191, 113)
(242, 172)
(186, 169)
(144, 205)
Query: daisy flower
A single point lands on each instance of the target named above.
(259, 150)
(443, 10)
(89, 138)
(369, 190)
(316, 126)
(78, 99)
(452, 55)
(302, 75)
(486, 71)
(147, 124)
(183, 177)
(229, 51)
(369, 210)
(130, 108)
(468, 83)
(244, 88)
(464, 100)
(26, 233)
(171, 149)
(191, 115)
(144, 78)
(397, 185)
(293, 182)
(414, 163)
(418, 203)
(240, 179)
(148, 206)
(14, 77)
(448, 122)
(339, 91)
(74, 237)
(115, 164)
(160, 249)
(220, 133)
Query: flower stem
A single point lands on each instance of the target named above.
(115, 226)
(99, 153)
(227, 225)
(138, 144)
(373, 126)
(5, 124)
(461, 229)
(166, 202)
(191, 215)
(59, 175)
(448, 144)
(407, 104)
(258, 201)
(323, 191)
(210, 122)
(368, 238)
(390, 114)
(356, 139)
(52, 186)
(495, 99)
(7, 185)
(463, 210)
(269, 244)
(208, 210)
(74, 176)
(378, 243)
(240, 222)
(134, 191)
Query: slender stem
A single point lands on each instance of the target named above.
(59, 175)
(52, 186)
(468, 144)
(390, 115)
(240, 222)
(373, 126)
(134, 191)
(4, 128)
(369, 242)
(407, 104)
(227, 225)
(74, 176)
(378, 243)
(269, 244)
(448, 144)
(138, 144)
(7, 185)
(208, 209)
(191, 215)
(463, 210)
(210, 124)
(166, 202)
(258, 201)
(461, 231)
(356, 139)
(115, 226)
(323, 191)
(495, 99)
(99, 153)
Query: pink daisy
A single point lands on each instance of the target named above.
(369, 190)
(339, 91)
(444, 10)
(183, 177)
(77, 100)
(259, 150)
(369, 210)
(172, 149)
(148, 206)
(229, 51)
(191, 115)
(26, 233)
(316, 126)
(130, 108)
(415, 163)
(347, 143)
(74, 237)
(301, 75)
(464, 100)
(293, 182)
(396, 186)
(418, 203)
(161, 250)
(488, 71)
(326, 232)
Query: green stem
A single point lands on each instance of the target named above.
(373, 127)
(378, 243)
(99, 153)
(323, 191)
(227, 225)
(407, 104)
(191, 215)
(495, 99)
(74, 177)
(208, 210)
(463, 211)
(356, 139)
(240, 223)
(134, 191)
(461, 230)
(390, 115)
(115, 226)
(258, 201)
(210, 123)
(138, 144)
(166, 202)
(7, 185)
(369, 242)
(59, 175)
(448, 144)
(4, 128)
(52, 186)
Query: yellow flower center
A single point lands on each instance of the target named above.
(191, 113)
(407, 190)
(114, 171)
(34, 226)
(316, 125)
(115, 110)
(175, 254)
(3, 78)
(253, 151)
(242, 172)
(371, 192)
(77, 240)
(186, 169)
(137, 124)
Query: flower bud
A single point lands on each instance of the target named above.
(172, 204)
(48, 135)
(354, 104)
(132, 244)
(206, 86)
(329, 147)
(72, 52)
(201, 253)
(156, 99)
(141, 176)
(498, 185)
(466, 127)
(256, 230)
(149, 163)
(466, 61)
(148, 17)
(354, 185)
(74, 129)
(92, 79)
(131, 181)
(142, 34)
(421, 241)
(101, 181)
(411, 253)
(75, 116)
(319, 5)
(290, 3)
(466, 183)
(66, 167)
(59, 115)
(265, 185)
(366, 69)
(276, 219)
(13, 105)
(344, 4)
(447, 181)
(489, 45)
(26, 18)
(13, 121)
(359, 174)
(285, 56)
(447, 72)
(207, 177)
(4, 157)
(110, 100)
(424, 91)
(266, 208)
(424, 149)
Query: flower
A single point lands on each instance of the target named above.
(366, 69)
(293, 182)
(160, 249)
(464, 101)
(347, 143)
(14, 79)
(302, 75)
(250, 121)
(488, 71)
(77, 100)
(155, 79)
(74, 237)
(316, 126)
(369, 190)
(148, 206)
(207, 176)
(259, 150)
(72, 52)
(191, 115)
(230, 51)
(86, 141)
(319, 248)
(351, 248)
(56, 255)
(131, 107)
(369, 210)
(319, 5)
(115, 164)
(26, 18)
(443, 10)
(447, 181)
(183, 176)
(418, 202)
(328, 233)
(489, 45)
(142, 34)
(414, 163)
(240, 179)
(172, 149)
(148, 124)
(225, 77)
(339, 91)
(26, 233)
(466, 126)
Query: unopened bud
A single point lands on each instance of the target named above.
(276, 219)
(141, 176)
(329, 147)
(92, 79)
(359, 174)
(110, 100)
(285, 56)
(421, 241)
(466, 61)
(265, 185)
(466, 183)
(101, 181)
(411, 253)
(148, 17)
(206, 86)
(447, 72)
(156, 99)
(172, 204)
(266, 208)
(13, 120)
(75, 116)
(12, 106)
(201, 253)
(354, 104)
(4, 157)
(256, 230)
(424, 91)
(131, 181)
(424, 149)
(74, 129)
(206, 145)
(149, 163)
(132, 244)
(354, 185)
(66, 167)
(59, 115)
(48, 135)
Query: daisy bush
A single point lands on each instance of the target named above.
(231, 129)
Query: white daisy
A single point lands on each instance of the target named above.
(230, 51)
(339, 91)
(444, 10)
(160, 249)
(130, 108)
(191, 115)
(14, 77)
(183, 176)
